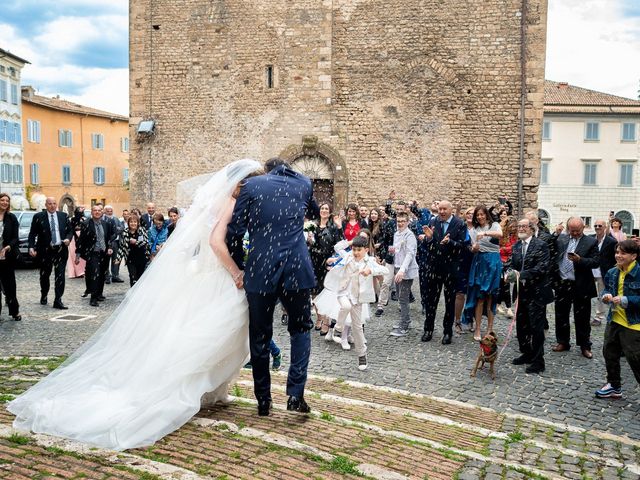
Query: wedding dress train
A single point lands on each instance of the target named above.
(180, 332)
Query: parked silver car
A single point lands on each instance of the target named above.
(25, 217)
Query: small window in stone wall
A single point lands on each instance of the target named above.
(587, 221)
(269, 76)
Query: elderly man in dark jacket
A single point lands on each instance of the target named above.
(530, 259)
(97, 243)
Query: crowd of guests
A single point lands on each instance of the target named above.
(486, 260)
(483, 258)
(90, 244)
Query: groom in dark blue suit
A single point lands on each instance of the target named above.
(272, 209)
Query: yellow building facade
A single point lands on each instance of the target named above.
(76, 154)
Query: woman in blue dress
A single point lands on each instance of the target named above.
(486, 268)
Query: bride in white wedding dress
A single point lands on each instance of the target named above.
(180, 332)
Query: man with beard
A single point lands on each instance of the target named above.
(530, 259)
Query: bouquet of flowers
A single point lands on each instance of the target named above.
(309, 226)
(309, 229)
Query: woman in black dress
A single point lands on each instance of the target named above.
(134, 249)
(9, 256)
(321, 243)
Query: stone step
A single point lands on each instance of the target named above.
(354, 431)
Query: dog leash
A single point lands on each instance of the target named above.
(515, 314)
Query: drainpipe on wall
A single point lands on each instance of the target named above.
(523, 99)
(151, 30)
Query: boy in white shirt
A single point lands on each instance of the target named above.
(353, 280)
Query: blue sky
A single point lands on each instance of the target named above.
(78, 49)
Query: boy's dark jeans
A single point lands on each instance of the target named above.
(619, 339)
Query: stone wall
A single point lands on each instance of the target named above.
(423, 96)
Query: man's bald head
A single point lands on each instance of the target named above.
(600, 226)
(51, 204)
(445, 209)
(575, 227)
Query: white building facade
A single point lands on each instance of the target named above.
(11, 134)
(590, 152)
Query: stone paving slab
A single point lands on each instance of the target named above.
(392, 434)
(562, 394)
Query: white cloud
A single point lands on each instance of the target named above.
(103, 88)
(593, 44)
(65, 35)
(50, 53)
(110, 93)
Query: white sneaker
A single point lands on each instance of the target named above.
(329, 336)
(501, 309)
(345, 345)
(362, 362)
(509, 313)
(337, 336)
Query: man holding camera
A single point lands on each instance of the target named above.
(577, 254)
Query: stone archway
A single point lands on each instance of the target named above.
(324, 166)
(67, 204)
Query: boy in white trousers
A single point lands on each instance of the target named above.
(353, 280)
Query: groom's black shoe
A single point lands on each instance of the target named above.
(297, 404)
(264, 406)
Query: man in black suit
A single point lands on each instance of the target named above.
(531, 259)
(445, 238)
(541, 232)
(96, 244)
(49, 238)
(577, 255)
(607, 247)
(147, 219)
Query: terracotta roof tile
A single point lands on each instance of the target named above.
(67, 106)
(562, 97)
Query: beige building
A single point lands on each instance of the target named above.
(76, 154)
(433, 98)
(11, 133)
(590, 151)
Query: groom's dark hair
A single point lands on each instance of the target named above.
(273, 163)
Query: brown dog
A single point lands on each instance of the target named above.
(488, 354)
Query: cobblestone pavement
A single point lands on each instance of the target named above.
(562, 394)
(356, 430)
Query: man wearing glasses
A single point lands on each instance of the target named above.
(607, 247)
(530, 267)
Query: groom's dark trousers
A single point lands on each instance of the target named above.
(272, 209)
(298, 306)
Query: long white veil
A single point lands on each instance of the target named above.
(162, 340)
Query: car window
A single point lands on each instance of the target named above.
(25, 219)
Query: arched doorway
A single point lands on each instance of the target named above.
(627, 221)
(544, 216)
(318, 169)
(324, 166)
(67, 204)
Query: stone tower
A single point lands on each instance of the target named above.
(431, 97)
